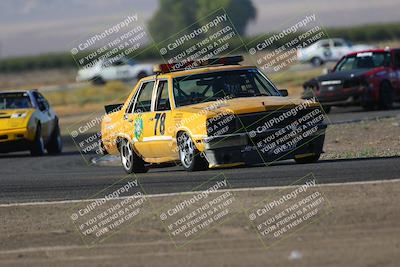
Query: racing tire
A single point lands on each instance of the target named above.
(98, 80)
(103, 150)
(316, 61)
(368, 106)
(131, 162)
(37, 148)
(308, 159)
(190, 157)
(386, 96)
(55, 143)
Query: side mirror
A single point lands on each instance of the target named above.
(284, 92)
(330, 70)
(41, 106)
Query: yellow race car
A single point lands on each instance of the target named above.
(215, 113)
(27, 122)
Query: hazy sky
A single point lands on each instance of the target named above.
(38, 26)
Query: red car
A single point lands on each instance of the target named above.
(369, 78)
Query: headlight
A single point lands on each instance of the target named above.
(334, 82)
(18, 115)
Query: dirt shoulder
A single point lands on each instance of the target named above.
(361, 229)
(375, 138)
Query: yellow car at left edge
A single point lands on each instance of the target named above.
(28, 123)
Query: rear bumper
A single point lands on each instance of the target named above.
(241, 148)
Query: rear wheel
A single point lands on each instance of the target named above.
(37, 148)
(191, 158)
(141, 75)
(98, 80)
(386, 96)
(55, 143)
(316, 61)
(308, 159)
(131, 162)
(103, 150)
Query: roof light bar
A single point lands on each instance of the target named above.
(177, 66)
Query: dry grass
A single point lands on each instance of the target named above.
(89, 94)
(36, 78)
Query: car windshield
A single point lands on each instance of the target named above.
(211, 86)
(364, 60)
(14, 101)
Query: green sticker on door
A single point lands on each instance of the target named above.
(138, 127)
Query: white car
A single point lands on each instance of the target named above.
(328, 50)
(114, 69)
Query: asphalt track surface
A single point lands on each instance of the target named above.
(68, 177)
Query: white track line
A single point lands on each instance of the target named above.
(192, 192)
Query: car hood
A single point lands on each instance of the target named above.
(244, 105)
(342, 75)
(7, 123)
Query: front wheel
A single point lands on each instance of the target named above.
(37, 148)
(131, 162)
(191, 158)
(386, 96)
(55, 143)
(308, 159)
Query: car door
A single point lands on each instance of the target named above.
(114, 70)
(50, 112)
(396, 71)
(139, 118)
(160, 140)
(44, 115)
(121, 69)
(325, 50)
(340, 49)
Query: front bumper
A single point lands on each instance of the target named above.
(15, 146)
(346, 96)
(241, 148)
(349, 101)
(19, 139)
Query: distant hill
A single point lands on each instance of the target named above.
(41, 26)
